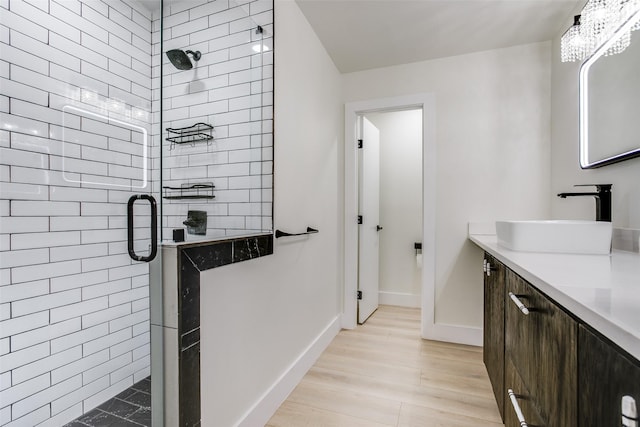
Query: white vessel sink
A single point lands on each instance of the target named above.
(556, 236)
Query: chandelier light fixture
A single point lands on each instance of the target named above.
(573, 46)
(595, 25)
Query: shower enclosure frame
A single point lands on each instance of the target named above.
(82, 135)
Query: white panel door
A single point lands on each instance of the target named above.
(369, 204)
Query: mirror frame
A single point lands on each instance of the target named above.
(585, 163)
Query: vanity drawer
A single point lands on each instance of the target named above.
(541, 343)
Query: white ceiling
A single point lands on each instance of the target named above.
(365, 34)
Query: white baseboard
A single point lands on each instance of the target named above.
(454, 333)
(270, 401)
(399, 299)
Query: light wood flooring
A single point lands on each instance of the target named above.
(383, 374)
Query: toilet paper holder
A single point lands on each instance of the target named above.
(418, 247)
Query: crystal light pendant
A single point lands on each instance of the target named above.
(599, 21)
(628, 8)
(573, 46)
(621, 11)
(620, 45)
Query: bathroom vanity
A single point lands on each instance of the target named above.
(562, 336)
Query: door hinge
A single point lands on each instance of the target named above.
(359, 143)
(359, 219)
(359, 295)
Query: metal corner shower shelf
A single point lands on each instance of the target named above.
(202, 190)
(189, 134)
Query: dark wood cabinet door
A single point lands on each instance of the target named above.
(525, 400)
(605, 375)
(542, 346)
(493, 332)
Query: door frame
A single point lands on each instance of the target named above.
(425, 101)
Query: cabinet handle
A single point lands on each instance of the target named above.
(519, 303)
(489, 269)
(629, 412)
(516, 407)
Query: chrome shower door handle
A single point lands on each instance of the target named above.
(154, 227)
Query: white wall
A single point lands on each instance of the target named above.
(259, 316)
(493, 130)
(400, 205)
(565, 166)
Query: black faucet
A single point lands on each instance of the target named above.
(603, 199)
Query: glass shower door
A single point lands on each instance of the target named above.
(78, 218)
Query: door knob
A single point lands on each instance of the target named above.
(378, 227)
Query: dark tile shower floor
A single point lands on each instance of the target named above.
(131, 408)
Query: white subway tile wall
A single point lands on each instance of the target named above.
(76, 83)
(230, 88)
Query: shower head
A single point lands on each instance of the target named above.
(180, 59)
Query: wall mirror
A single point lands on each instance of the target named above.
(609, 93)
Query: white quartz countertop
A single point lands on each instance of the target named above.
(601, 290)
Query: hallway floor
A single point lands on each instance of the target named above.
(383, 374)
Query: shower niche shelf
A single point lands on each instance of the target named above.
(202, 190)
(200, 132)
